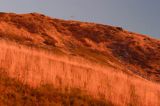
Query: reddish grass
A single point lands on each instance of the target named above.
(15, 93)
(139, 53)
(105, 61)
(37, 67)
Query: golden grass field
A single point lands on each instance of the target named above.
(35, 68)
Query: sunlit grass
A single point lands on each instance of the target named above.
(14, 93)
(39, 67)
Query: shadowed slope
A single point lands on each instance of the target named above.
(15, 93)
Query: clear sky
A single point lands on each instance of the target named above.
(141, 16)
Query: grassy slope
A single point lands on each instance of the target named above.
(119, 88)
(14, 93)
(138, 53)
(115, 86)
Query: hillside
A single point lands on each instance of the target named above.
(102, 60)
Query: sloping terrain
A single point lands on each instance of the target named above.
(104, 61)
(139, 53)
(14, 93)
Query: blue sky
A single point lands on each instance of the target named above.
(140, 16)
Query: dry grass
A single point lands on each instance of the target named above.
(139, 52)
(14, 93)
(38, 67)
